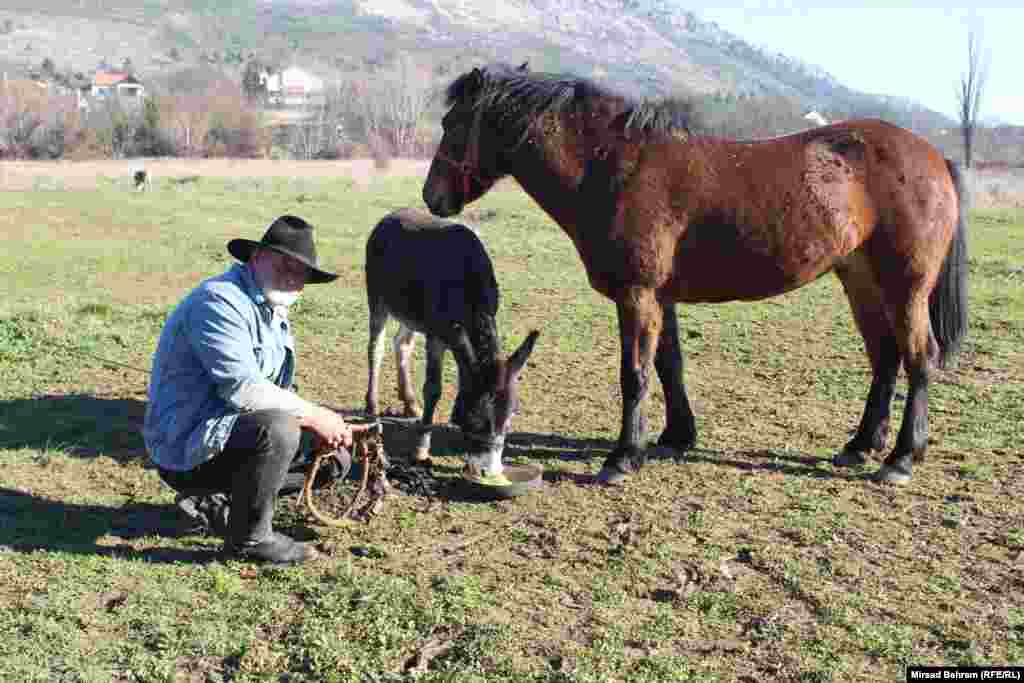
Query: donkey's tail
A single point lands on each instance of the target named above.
(947, 304)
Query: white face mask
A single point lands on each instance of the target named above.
(278, 297)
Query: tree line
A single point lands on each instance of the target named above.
(391, 112)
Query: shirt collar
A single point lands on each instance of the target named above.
(255, 292)
(248, 280)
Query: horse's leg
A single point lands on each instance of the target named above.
(640, 318)
(868, 308)
(911, 322)
(404, 344)
(435, 349)
(375, 353)
(680, 426)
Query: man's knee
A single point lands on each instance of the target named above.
(282, 430)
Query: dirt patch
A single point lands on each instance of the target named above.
(84, 175)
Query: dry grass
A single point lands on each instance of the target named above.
(1002, 189)
(86, 175)
(990, 189)
(752, 558)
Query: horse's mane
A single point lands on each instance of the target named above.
(520, 96)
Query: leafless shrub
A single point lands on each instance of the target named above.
(380, 151)
(1001, 187)
(35, 122)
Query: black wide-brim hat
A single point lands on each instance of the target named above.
(288, 235)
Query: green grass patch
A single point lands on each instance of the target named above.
(750, 558)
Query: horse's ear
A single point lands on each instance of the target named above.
(525, 66)
(518, 359)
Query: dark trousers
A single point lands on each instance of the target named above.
(259, 462)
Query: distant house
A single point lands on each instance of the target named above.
(116, 83)
(293, 87)
(110, 86)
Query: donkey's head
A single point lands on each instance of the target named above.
(488, 398)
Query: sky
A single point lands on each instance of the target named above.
(915, 52)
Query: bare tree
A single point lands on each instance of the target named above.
(310, 137)
(404, 94)
(970, 90)
(388, 104)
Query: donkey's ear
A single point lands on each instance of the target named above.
(518, 359)
(461, 346)
(476, 78)
(525, 66)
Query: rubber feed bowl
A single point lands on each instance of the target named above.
(522, 479)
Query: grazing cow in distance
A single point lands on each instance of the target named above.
(435, 277)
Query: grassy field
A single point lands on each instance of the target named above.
(752, 559)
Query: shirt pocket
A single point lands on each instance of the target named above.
(263, 359)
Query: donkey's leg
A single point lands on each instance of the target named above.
(435, 349)
(404, 344)
(883, 351)
(432, 381)
(640, 318)
(680, 426)
(459, 408)
(911, 322)
(375, 353)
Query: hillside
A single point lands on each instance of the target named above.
(649, 47)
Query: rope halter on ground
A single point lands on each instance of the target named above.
(368, 449)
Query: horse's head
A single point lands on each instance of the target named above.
(488, 398)
(469, 159)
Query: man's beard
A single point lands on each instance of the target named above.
(279, 297)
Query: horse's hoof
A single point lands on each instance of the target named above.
(680, 443)
(848, 458)
(892, 475)
(413, 411)
(611, 477)
(663, 452)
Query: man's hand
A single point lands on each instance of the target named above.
(329, 427)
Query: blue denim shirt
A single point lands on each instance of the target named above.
(220, 339)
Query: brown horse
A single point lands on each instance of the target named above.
(659, 216)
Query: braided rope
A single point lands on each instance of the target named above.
(368, 449)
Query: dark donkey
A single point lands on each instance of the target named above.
(436, 278)
(659, 216)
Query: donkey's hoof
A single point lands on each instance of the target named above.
(892, 475)
(848, 458)
(611, 476)
(421, 456)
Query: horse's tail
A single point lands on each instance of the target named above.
(947, 304)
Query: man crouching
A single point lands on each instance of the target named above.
(223, 426)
